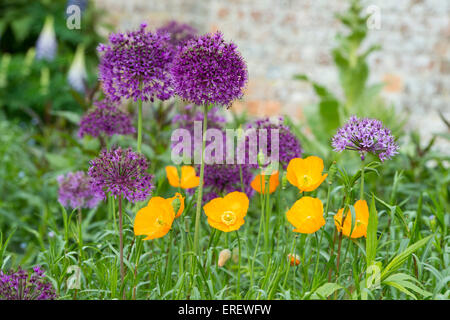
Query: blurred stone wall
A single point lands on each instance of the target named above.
(279, 38)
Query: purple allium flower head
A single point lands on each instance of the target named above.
(46, 45)
(106, 119)
(365, 136)
(137, 65)
(207, 70)
(123, 173)
(180, 33)
(24, 285)
(75, 190)
(289, 146)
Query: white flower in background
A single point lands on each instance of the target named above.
(46, 44)
(77, 73)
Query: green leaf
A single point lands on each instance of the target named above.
(371, 240)
(329, 113)
(71, 116)
(399, 259)
(405, 283)
(326, 290)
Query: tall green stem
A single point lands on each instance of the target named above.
(200, 187)
(361, 194)
(139, 137)
(122, 270)
(238, 291)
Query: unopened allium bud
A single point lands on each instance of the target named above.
(224, 256)
(294, 259)
(46, 44)
(77, 73)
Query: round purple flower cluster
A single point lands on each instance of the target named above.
(365, 136)
(180, 33)
(289, 146)
(24, 285)
(122, 173)
(207, 70)
(106, 119)
(137, 65)
(75, 190)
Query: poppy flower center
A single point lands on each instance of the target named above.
(228, 217)
(306, 180)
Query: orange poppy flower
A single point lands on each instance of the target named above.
(273, 183)
(361, 217)
(306, 215)
(227, 213)
(181, 207)
(154, 220)
(294, 259)
(306, 174)
(188, 178)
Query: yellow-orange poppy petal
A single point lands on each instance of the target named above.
(361, 217)
(294, 166)
(227, 214)
(306, 215)
(172, 176)
(317, 184)
(189, 178)
(237, 202)
(256, 184)
(181, 208)
(154, 220)
(306, 174)
(214, 209)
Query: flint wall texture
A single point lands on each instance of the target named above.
(280, 38)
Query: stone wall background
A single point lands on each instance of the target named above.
(280, 38)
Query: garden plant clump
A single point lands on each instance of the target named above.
(93, 205)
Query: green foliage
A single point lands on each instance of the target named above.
(360, 98)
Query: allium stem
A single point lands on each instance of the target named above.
(122, 270)
(200, 187)
(361, 195)
(139, 137)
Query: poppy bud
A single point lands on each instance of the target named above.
(294, 259)
(176, 204)
(224, 255)
(284, 180)
(187, 223)
(331, 172)
(261, 159)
